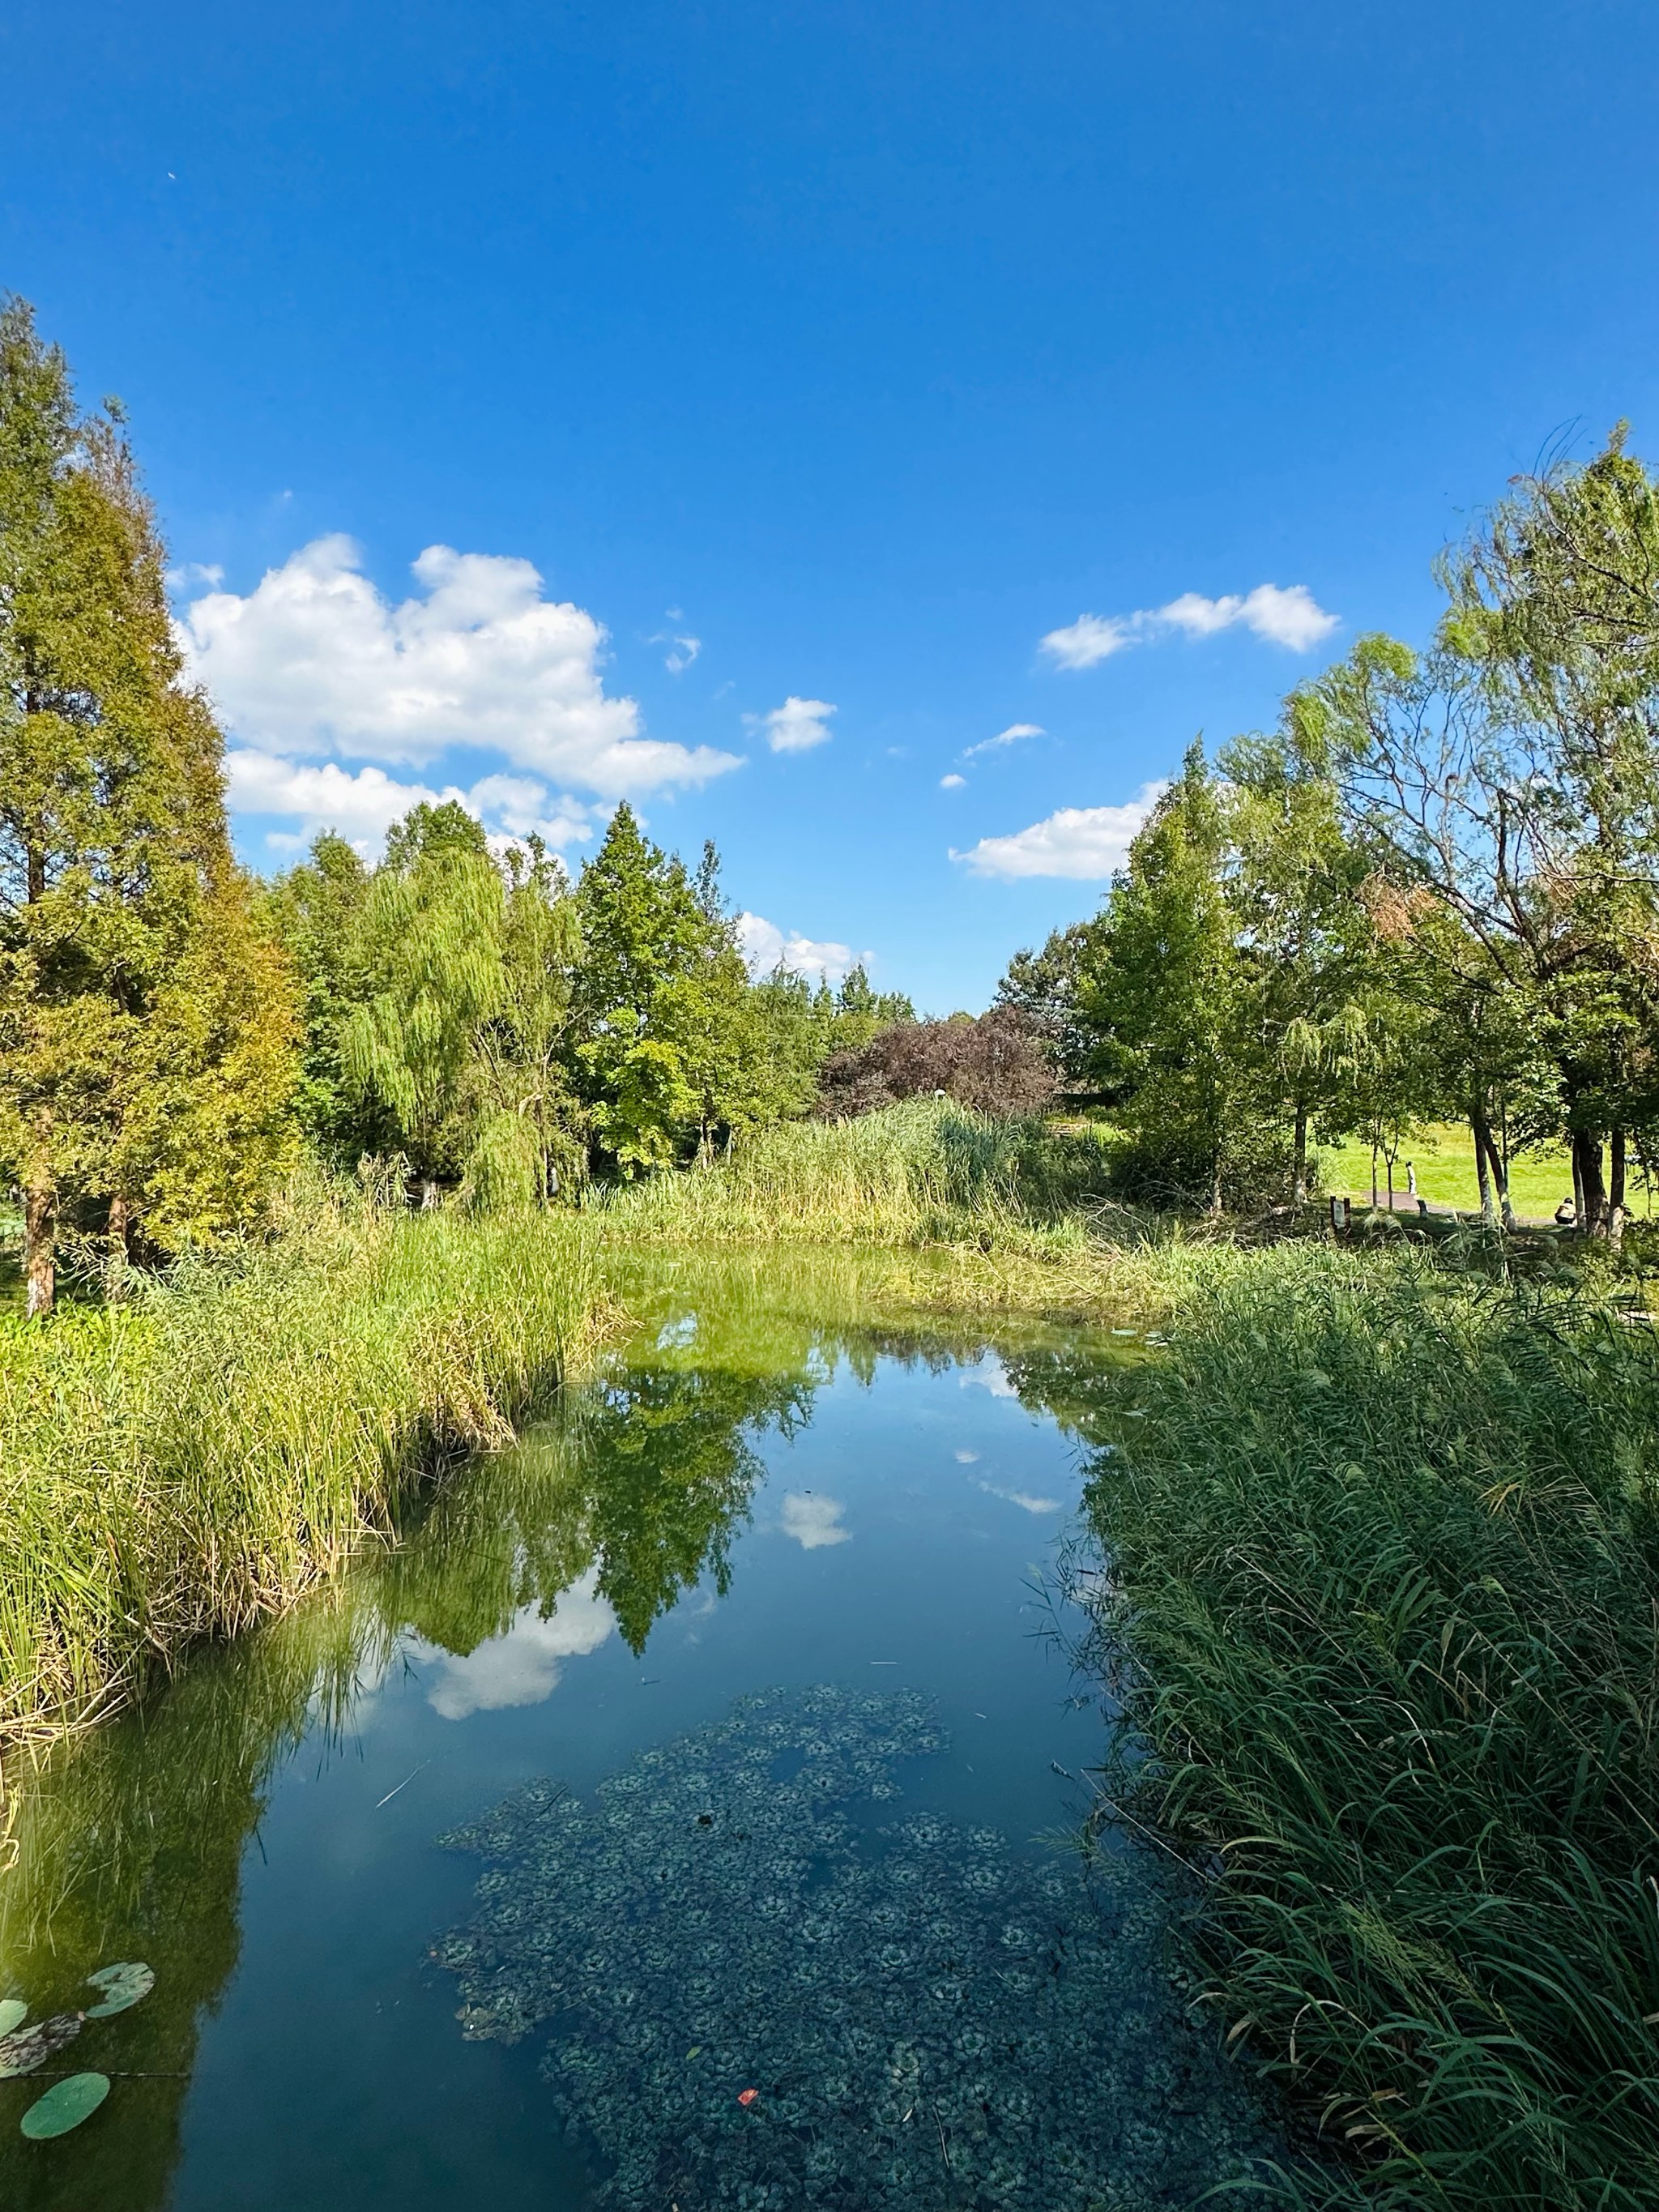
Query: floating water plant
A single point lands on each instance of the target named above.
(12, 2009)
(64, 2106)
(26, 2048)
(884, 2012)
(123, 1985)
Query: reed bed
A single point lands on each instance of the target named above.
(1384, 1601)
(185, 1462)
(927, 1170)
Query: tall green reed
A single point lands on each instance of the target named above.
(1384, 1601)
(184, 1462)
(926, 1170)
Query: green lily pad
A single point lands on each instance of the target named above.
(12, 2009)
(64, 2106)
(26, 2048)
(123, 1985)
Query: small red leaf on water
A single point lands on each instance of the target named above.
(747, 2096)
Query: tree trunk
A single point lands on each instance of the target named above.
(1616, 1190)
(118, 1226)
(1215, 1188)
(1494, 1175)
(1586, 1175)
(1300, 1185)
(1483, 1175)
(40, 1244)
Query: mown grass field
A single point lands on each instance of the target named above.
(1444, 1155)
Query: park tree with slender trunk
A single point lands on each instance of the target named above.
(1511, 774)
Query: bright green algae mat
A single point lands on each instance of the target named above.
(780, 1489)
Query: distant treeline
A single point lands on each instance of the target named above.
(1433, 892)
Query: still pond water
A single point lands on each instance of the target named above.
(709, 1742)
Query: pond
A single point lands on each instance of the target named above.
(677, 1816)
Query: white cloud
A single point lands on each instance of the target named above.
(796, 726)
(1292, 619)
(361, 804)
(953, 783)
(1086, 843)
(813, 1522)
(1289, 616)
(523, 1666)
(315, 659)
(1011, 735)
(1089, 640)
(763, 945)
(194, 572)
(682, 651)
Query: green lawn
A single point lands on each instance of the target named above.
(1444, 1155)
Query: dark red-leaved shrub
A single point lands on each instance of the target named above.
(996, 1065)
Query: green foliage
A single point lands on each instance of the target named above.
(925, 1170)
(144, 1020)
(1164, 996)
(1384, 1553)
(181, 1465)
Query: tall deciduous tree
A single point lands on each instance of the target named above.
(1512, 773)
(131, 964)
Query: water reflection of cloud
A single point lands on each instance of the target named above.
(1023, 1497)
(675, 1335)
(988, 1373)
(522, 1667)
(966, 1458)
(812, 1520)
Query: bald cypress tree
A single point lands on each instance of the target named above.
(138, 994)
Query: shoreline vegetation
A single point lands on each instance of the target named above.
(1383, 1597)
(185, 1462)
(1384, 1569)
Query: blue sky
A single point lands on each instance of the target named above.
(866, 345)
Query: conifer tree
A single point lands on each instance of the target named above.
(131, 965)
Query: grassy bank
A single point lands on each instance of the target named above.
(1385, 1560)
(185, 1462)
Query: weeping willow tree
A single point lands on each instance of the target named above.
(467, 970)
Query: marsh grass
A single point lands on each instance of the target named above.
(1383, 1603)
(185, 1462)
(927, 1170)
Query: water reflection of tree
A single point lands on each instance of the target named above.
(130, 1846)
(130, 1842)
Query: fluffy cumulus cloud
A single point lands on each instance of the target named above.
(1011, 736)
(522, 1667)
(361, 804)
(1289, 615)
(1086, 843)
(317, 660)
(952, 782)
(763, 945)
(794, 727)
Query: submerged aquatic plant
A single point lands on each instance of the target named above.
(925, 2017)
